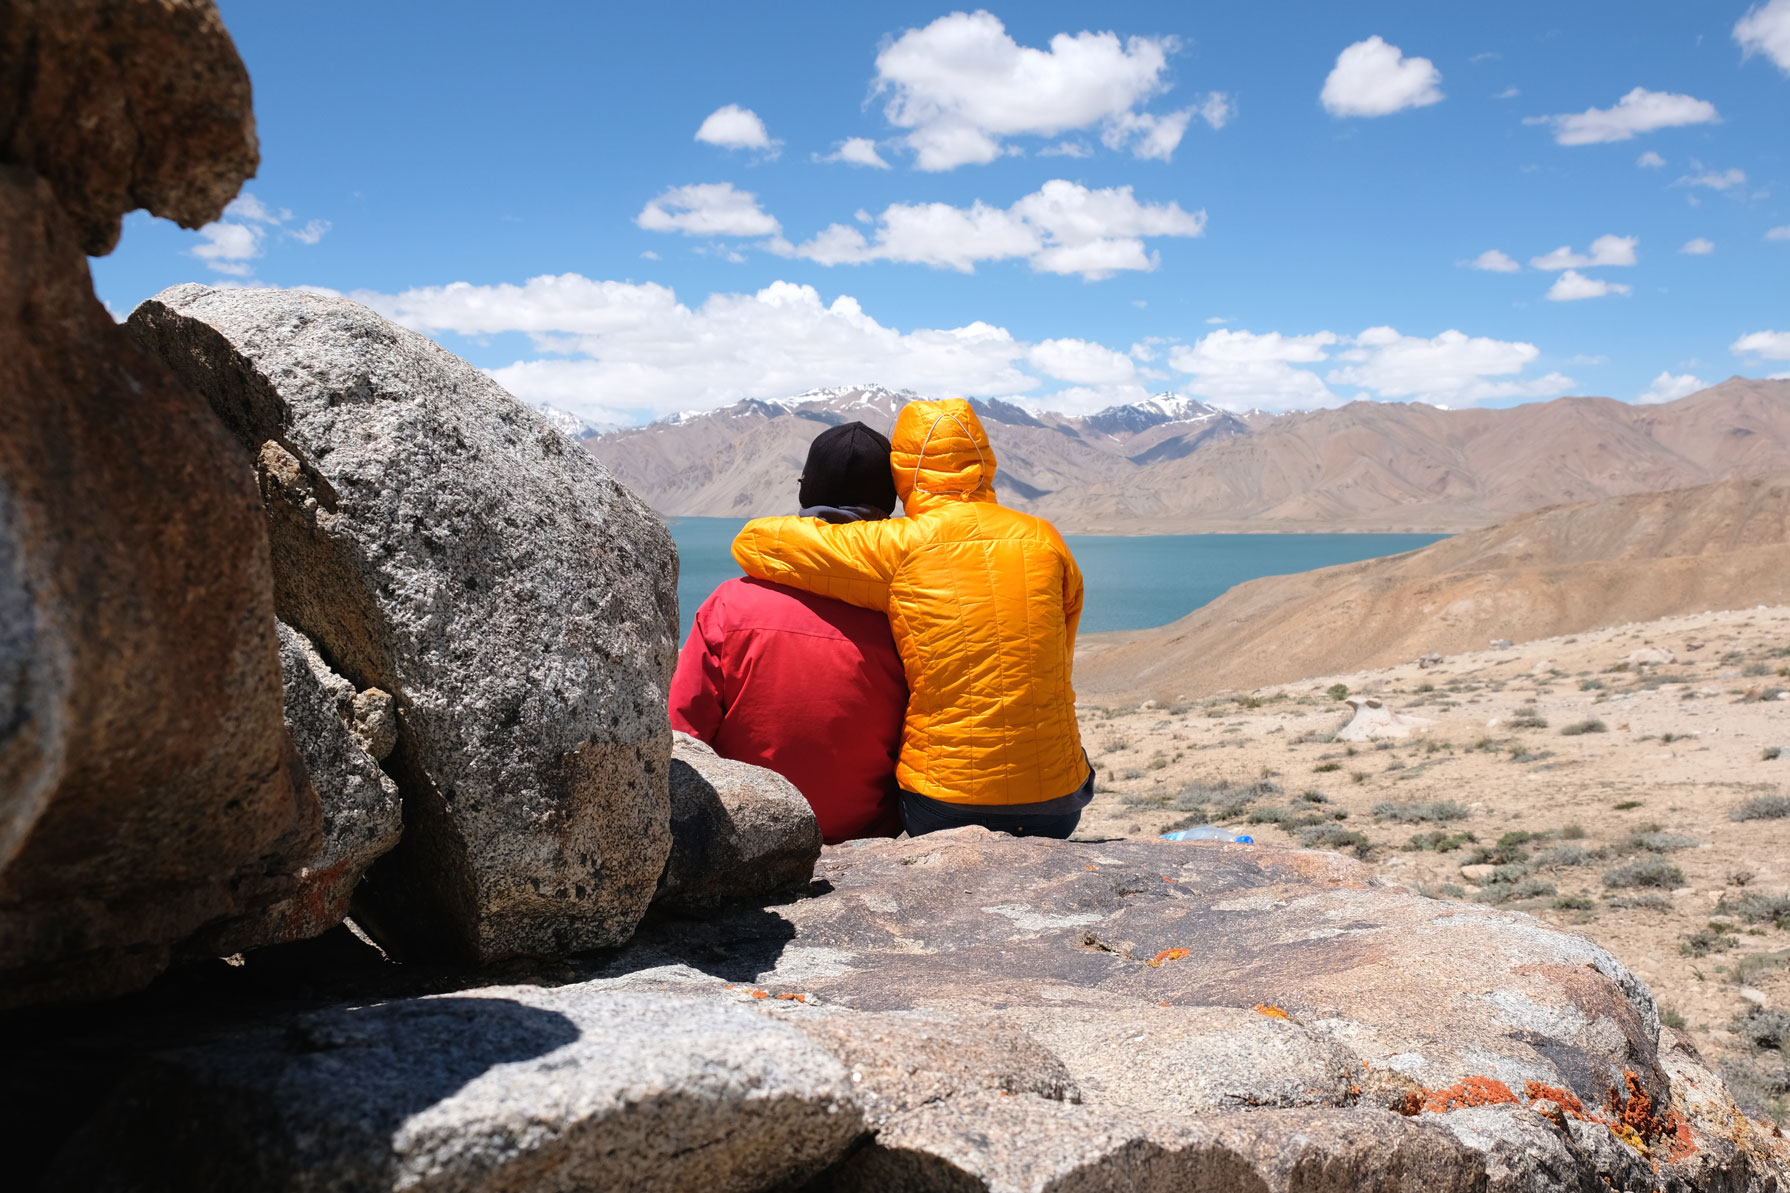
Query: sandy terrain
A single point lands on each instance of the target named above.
(1684, 745)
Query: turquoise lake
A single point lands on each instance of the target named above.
(1131, 582)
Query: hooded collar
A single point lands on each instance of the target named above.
(940, 454)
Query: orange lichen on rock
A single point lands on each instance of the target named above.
(1272, 1011)
(1471, 1091)
(1564, 1098)
(1637, 1123)
(1168, 955)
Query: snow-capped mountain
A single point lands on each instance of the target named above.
(567, 423)
(1151, 412)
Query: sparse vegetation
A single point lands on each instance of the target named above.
(1580, 728)
(1563, 855)
(1337, 691)
(1522, 888)
(1658, 842)
(1652, 871)
(1762, 909)
(1324, 768)
(1439, 812)
(1646, 901)
(1627, 804)
(1574, 903)
(1765, 807)
(1440, 841)
(1528, 720)
(1712, 938)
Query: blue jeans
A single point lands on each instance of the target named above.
(1054, 818)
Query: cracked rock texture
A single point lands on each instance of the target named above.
(1018, 1014)
(440, 541)
(146, 784)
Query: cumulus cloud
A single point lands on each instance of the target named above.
(1241, 370)
(1698, 247)
(1715, 180)
(1605, 250)
(1494, 261)
(1063, 227)
(962, 86)
(1082, 362)
(229, 244)
(707, 209)
(1772, 345)
(1372, 78)
(1449, 369)
(1650, 160)
(734, 127)
(1667, 388)
(1573, 285)
(1765, 29)
(1640, 111)
(856, 151)
(1217, 109)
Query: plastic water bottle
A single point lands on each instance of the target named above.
(1209, 832)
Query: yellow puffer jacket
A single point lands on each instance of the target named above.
(984, 603)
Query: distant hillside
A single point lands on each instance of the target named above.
(1563, 570)
(1171, 464)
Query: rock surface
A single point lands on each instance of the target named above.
(736, 831)
(440, 541)
(988, 1013)
(503, 1090)
(1373, 721)
(361, 817)
(122, 104)
(146, 784)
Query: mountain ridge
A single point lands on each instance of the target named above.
(1174, 465)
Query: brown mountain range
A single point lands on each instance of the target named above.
(1172, 465)
(1562, 570)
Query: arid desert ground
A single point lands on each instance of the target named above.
(1644, 804)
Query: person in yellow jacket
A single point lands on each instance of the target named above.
(984, 602)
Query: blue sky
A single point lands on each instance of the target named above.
(1276, 205)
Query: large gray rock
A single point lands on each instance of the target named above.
(503, 1090)
(361, 817)
(737, 830)
(146, 784)
(440, 541)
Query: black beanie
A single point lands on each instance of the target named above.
(848, 465)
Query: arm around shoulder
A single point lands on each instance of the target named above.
(853, 562)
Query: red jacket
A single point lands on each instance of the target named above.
(806, 685)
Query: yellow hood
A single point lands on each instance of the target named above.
(939, 452)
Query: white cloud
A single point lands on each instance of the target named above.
(1698, 247)
(1149, 137)
(1494, 261)
(1765, 29)
(962, 85)
(1605, 250)
(1063, 227)
(1066, 149)
(1715, 180)
(856, 151)
(1573, 285)
(312, 231)
(1667, 388)
(707, 209)
(615, 351)
(1640, 111)
(1372, 78)
(1772, 345)
(1449, 369)
(1507, 93)
(734, 127)
(1242, 370)
(1217, 109)
(649, 255)
(229, 244)
(1781, 232)
(1650, 160)
(1082, 362)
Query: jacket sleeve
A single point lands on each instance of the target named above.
(698, 704)
(1071, 596)
(853, 561)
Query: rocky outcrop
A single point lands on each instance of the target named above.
(339, 733)
(737, 831)
(1373, 721)
(439, 541)
(146, 785)
(503, 1090)
(988, 1013)
(121, 104)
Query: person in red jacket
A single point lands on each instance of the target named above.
(806, 685)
